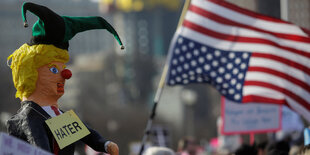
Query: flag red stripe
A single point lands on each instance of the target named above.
(260, 99)
(282, 75)
(283, 60)
(223, 36)
(295, 97)
(247, 12)
(256, 15)
(226, 21)
(306, 31)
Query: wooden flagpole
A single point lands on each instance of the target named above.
(160, 88)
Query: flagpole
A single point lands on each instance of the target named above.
(185, 7)
(153, 113)
(160, 88)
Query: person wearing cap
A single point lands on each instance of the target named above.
(39, 74)
(156, 150)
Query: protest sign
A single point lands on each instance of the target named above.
(291, 121)
(10, 145)
(67, 128)
(250, 118)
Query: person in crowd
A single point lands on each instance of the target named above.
(280, 147)
(276, 152)
(305, 150)
(261, 148)
(295, 149)
(188, 146)
(246, 149)
(159, 151)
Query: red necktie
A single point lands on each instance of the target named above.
(55, 110)
(56, 147)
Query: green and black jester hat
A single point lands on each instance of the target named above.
(58, 30)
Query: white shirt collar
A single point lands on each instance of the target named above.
(50, 111)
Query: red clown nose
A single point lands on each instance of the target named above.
(66, 74)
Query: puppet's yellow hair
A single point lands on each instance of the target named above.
(25, 62)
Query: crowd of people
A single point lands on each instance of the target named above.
(189, 146)
(275, 148)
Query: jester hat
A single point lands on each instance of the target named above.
(58, 30)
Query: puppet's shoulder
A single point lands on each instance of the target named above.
(28, 114)
(14, 125)
(29, 118)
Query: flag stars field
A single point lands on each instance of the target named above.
(206, 64)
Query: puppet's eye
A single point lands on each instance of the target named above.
(54, 70)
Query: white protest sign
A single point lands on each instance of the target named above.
(291, 121)
(10, 145)
(250, 117)
(292, 125)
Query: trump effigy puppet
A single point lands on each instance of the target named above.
(39, 75)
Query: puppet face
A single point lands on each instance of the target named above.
(50, 80)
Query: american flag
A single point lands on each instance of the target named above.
(246, 56)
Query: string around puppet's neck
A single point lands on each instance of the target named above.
(41, 101)
(28, 106)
